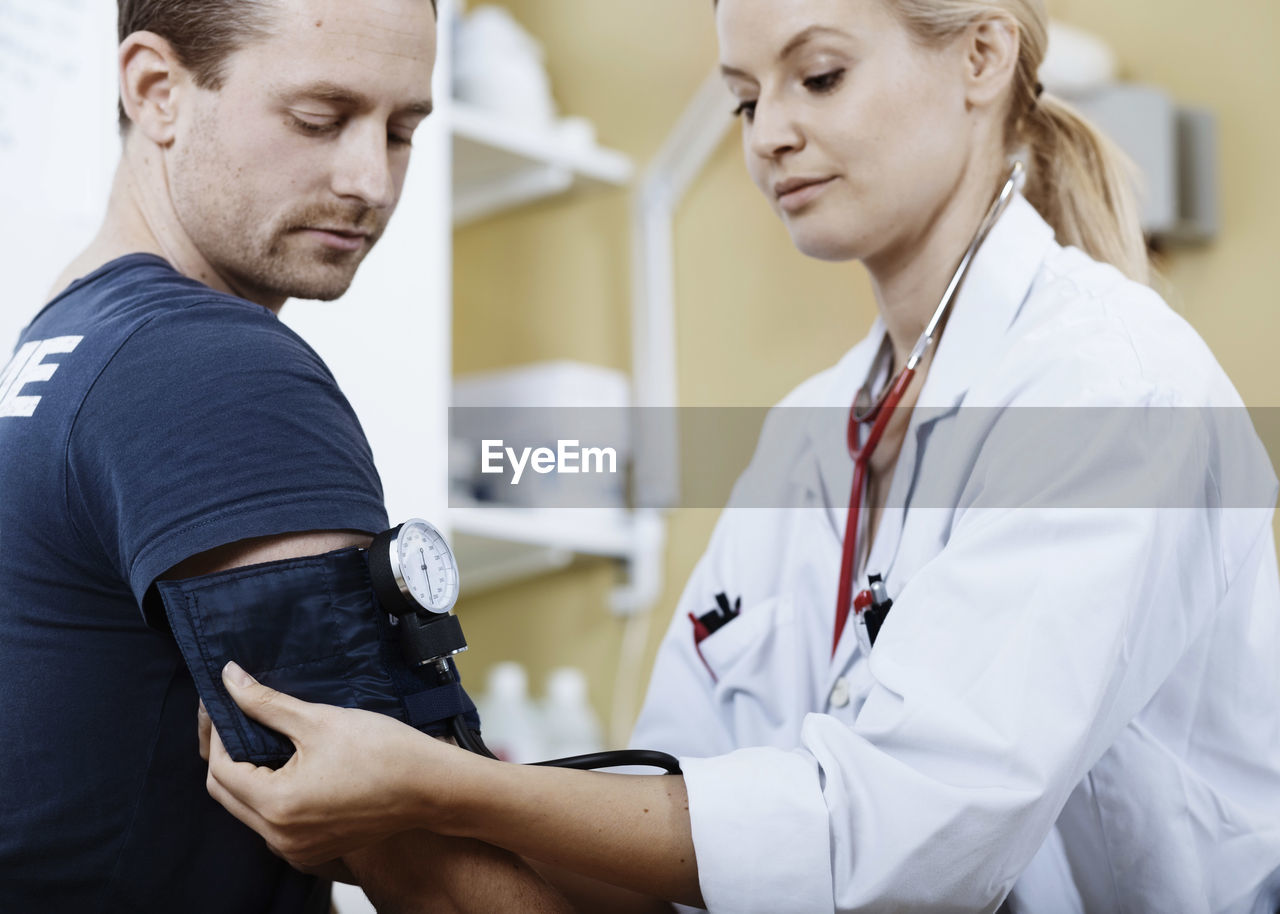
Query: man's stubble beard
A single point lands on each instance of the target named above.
(279, 261)
(264, 262)
(318, 272)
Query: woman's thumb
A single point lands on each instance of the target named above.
(264, 704)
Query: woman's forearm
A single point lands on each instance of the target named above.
(626, 830)
(358, 777)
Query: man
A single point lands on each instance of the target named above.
(159, 421)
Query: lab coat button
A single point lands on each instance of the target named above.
(840, 693)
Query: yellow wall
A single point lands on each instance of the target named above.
(755, 317)
(1222, 57)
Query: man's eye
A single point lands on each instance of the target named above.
(400, 139)
(313, 127)
(745, 110)
(825, 82)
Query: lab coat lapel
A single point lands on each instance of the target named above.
(997, 285)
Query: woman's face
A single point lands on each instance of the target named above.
(855, 134)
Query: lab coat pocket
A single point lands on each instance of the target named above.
(756, 658)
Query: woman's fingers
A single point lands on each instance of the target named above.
(356, 776)
(204, 726)
(253, 795)
(223, 775)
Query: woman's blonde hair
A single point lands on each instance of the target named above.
(1077, 179)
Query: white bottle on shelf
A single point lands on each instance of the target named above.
(570, 726)
(509, 722)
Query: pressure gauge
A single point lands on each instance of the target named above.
(413, 569)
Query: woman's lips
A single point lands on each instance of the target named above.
(801, 196)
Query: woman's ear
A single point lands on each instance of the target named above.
(150, 77)
(991, 59)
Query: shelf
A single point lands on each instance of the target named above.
(498, 164)
(496, 545)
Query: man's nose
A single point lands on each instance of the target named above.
(363, 170)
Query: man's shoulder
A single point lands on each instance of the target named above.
(138, 314)
(142, 293)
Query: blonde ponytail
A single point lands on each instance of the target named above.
(1078, 180)
(1082, 184)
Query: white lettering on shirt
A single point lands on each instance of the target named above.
(29, 367)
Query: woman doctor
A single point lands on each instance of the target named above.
(1072, 704)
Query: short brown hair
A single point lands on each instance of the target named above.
(203, 33)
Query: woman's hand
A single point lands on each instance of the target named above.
(355, 779)
(359, 777)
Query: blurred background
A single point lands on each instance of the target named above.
(521, 245)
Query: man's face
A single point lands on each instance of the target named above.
(285, 178)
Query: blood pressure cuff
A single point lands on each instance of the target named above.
(312, 628)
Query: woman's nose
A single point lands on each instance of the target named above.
(774, 131)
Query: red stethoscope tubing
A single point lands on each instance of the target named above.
(861, 456)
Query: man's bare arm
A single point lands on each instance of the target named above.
(587, 894)
(418, 872)
(257, 550)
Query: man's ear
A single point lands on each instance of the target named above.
(151, 81)
(990, 60)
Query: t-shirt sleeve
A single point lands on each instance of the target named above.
(213, 424)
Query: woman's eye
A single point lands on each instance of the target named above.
(825, 82)
(745, 110)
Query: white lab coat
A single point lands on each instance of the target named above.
(1075, 701)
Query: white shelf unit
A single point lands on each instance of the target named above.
(498, 165)
(499, 545)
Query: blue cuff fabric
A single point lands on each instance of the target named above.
(309, 627)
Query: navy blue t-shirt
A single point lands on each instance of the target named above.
(145, 418)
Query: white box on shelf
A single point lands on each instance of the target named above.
(572, 410)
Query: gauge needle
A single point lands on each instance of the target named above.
(423, 556)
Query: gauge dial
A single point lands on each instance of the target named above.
(427, 572)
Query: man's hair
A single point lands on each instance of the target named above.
(203, 33)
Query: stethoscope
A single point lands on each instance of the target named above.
(879, 412)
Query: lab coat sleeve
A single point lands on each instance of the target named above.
(682, 716)
(1009, 664)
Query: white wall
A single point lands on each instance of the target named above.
(58, 143)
